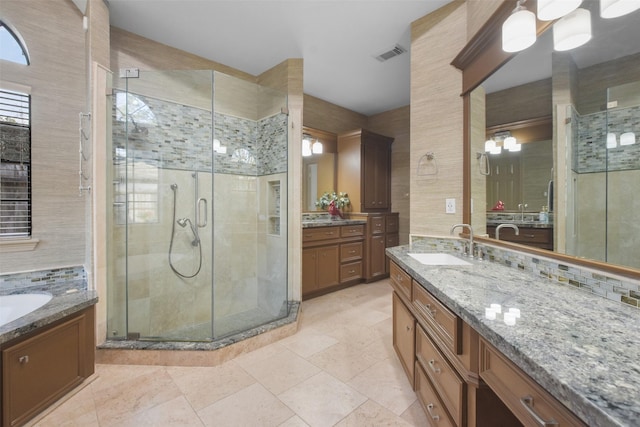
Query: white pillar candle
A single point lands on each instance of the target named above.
(515, 311)
(497, 308)
(489, 313)
(510, 319)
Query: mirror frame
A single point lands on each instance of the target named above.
(478, 60)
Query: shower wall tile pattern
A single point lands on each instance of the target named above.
(177, 136)
(590, 153)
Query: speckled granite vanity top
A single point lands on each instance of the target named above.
(582, 348)
(68, 298)
(331, 223)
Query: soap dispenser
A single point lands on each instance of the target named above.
(544, 215)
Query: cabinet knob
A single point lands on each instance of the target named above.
(408, 328)
(431, 414)
(432, 365)
(24, 360)
(352, 271)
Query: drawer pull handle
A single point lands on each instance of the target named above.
(352, 251)
(531, 236)
(527, 402)
(308, 235)
(329, 233)
(432, 365)
(399, 278)
(430, 410)
(24, 360)
(425, 308)
(351, 271)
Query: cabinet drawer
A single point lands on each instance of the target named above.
(352, 230)
(377, 225)
(350, 271)
(528, 401)
(400, 279)
(436, 413)
(351, 251)
(439, 319)
(448, 384)
(391, 224)
(393, 240)
(320, 233)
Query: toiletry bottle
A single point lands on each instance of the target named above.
(543, 217)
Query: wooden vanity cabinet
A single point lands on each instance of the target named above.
(332, 257)
(533, 405)
(364, 169)
(531, 236)
(42, 367)
(445, 359)
(381, 233)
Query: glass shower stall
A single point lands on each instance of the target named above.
(197, 246)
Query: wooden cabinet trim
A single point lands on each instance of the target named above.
(437, 415)
(404, 326)
(442, 321)
(514, 388)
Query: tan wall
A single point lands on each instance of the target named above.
(436, 118)
(323, 115)
(395, 123)
(479, 11)
(53, 34)
(522, 102)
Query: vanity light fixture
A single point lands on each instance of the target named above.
(615, 8)
(612, 141)
(491, 147)
(509, 143)
(627, 138)
(306, 146)
(573, 30)
(519, 30)
(548, 10)
(317, 147)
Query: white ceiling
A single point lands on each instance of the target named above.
(338, 40)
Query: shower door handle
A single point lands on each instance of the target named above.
(200, 223)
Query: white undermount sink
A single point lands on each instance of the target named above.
(438, 259)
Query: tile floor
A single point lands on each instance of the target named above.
(338, 369)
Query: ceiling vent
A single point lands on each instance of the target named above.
(385, 56)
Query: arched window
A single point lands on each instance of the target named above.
(11, 48)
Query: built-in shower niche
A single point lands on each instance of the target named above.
(273, 207)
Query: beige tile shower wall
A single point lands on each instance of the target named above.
(622, 218)
(236, 241)
(395, 123)
(590, 211)
(436, 117)
(53, 34)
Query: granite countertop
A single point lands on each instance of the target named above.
(332, 223)
(68, 298)
(582, 348)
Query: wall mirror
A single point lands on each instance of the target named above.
(592, 96)
(318, 166)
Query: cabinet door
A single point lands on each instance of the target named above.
(309, 270)
(38, 371)
(328, 266)
(404, 343)
(375, 177)
(377, 257)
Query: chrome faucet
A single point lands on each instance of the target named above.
(515, 227)
(471, 249)
(522, 207)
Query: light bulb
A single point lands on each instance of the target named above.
(489, 145)
(306, 148)
(572, 31)
(548, 10)
(317, 147)
(628, 138)
(509, 143)
(519, 30)
(615, 8)
(515, 147)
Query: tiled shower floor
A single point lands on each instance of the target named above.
(338, 369)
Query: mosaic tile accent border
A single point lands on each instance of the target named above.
(176, 136)
(56, 276)
(623, 290)
(589, 141)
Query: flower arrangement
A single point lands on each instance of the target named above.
(340, 200)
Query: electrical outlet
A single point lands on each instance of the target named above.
(450, 206)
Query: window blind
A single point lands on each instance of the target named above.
(15, 164)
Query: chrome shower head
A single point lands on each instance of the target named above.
(174, 186)
(182, 222)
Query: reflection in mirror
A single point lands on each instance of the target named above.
(318, 169)
(592, 94)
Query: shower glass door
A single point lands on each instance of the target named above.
(162, 138)
(198, 247)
